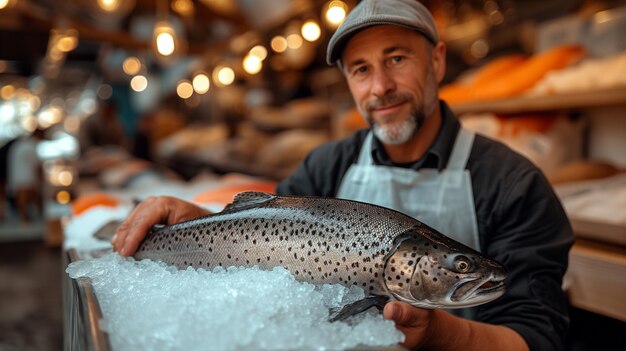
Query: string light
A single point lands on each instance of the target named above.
(131, 65)
(183, 7)
(252, 64)
(311, 30)
(63, 197)
(223, 75)
(335, 12)
(139, 83)
(7, 92)
(4, 4)
(201, 83)
(279, 44)
(109, 5)
(258, 51)
(184, 89)
(294, 41)
(164, 38)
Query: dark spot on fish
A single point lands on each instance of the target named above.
(425, 272)
(435, 279)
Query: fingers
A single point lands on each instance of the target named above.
(151, 211)
(137, 225)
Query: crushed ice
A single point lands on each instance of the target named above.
(149, 306)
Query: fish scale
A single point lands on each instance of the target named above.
(326, 240)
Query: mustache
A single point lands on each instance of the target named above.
(387, 100)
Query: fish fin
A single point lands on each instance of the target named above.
(357, 307)
(107, 230)
(247, 199)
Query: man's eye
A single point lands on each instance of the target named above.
(397, 59)
(360, 70)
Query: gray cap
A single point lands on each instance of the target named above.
(406, 13)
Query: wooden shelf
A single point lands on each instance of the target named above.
(605, 232)
(582, 100)
(596, 278)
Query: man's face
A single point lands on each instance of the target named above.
(393, 74)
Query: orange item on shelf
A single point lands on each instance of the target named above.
(455, 93)
(510, 75)
(514, 126)
(528, 73)
(225, 194)
(83, 203)
(498, 67)
(462, 91)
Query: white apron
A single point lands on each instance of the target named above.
(443, 200)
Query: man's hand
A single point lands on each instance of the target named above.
(151, 211)
(413, 322)
(437, 329)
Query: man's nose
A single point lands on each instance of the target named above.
(383, 83)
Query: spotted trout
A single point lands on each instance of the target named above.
(327, 240)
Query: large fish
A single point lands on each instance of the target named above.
(327, 240)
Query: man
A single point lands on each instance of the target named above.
(417, 159)
(24, 175)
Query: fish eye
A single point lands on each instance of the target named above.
(462, 264)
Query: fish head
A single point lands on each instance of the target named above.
(430, 270)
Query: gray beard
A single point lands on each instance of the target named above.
(399, 133)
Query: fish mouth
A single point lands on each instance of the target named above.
(474, 291)
(490, 286)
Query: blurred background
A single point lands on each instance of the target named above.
(105, 101)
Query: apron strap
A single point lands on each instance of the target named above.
(461, 150)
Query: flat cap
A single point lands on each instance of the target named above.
(406, 13)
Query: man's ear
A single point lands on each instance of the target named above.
(439, 61)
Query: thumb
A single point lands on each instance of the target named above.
(403, 314)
